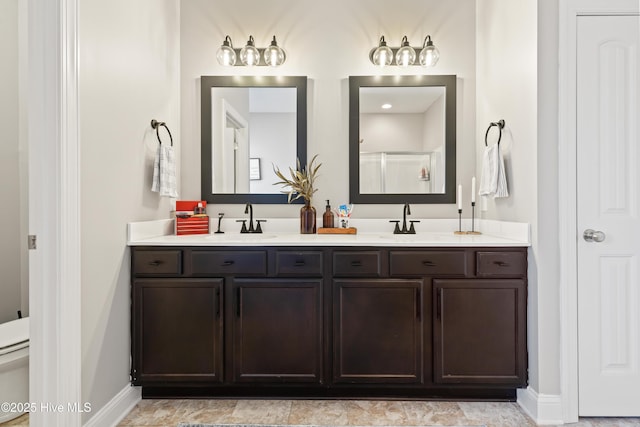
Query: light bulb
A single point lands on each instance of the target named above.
(406, 55)
(226, 55)
(429, 54)
(383, 55)
(249, 55)
(274, 55)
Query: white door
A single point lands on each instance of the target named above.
(608, 202)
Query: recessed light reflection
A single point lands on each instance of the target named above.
(386, 106)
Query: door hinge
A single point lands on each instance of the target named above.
(32, 241)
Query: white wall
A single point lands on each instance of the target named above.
(129, 74)
(547, 249)
(514, 85)
(392, 132)
(10, 157)
(271, 137)
(434, 125)
(327, 41)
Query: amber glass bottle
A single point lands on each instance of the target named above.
(307, 218)
(327, 217)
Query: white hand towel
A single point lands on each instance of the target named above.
(164, 172)
(493, 180)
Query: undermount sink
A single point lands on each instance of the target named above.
(241, 237)
(407, 237)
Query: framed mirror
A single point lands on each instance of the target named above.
(402, 139)
(250, 123)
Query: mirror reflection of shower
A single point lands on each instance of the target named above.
(402, 140)
(402, 172)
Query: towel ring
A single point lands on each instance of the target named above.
(156, 125)
(500, 125)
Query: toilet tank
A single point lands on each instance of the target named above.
(14, 365)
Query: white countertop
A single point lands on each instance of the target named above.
(282, 232)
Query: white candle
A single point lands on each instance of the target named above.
(460, 197)
(473, 189)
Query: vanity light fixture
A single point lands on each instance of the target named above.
(250, 55)
(405, 55)
(226, 54)
(382, 55)
(274, 55)
(429, 54)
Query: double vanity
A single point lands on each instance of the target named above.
(376, 314)
(434, 314)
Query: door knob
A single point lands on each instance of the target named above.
(590, 235)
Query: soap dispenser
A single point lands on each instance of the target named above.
(327, 217)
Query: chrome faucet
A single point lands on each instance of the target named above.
(406, 210)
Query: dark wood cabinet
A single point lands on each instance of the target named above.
(480, 331)
(277, 330)
(329, 321)
(377, 331)
(177, 330)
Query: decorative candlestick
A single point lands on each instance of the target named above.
(459, 223)
(473, 215)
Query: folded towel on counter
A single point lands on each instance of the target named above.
(164, 172)
(493, 181)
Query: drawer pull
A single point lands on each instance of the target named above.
(357, 263)
(501, 263)
(299, 263)
(228, 263)
(428, 263)
(155, 263)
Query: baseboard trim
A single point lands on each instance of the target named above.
(545, 409)
(117, 408)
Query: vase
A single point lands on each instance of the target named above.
(307, 219)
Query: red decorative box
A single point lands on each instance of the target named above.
(188, 221)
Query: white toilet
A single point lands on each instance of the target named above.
(14, 365)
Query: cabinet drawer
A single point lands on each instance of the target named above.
(242, 263)
(357, 264)
(296, 263)
(157, 262)
(501, 264)
(428, 263)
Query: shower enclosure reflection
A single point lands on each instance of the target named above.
(400, 172)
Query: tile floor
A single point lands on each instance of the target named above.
(168, 413)
(342, 413)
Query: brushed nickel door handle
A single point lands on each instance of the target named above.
(590, 235)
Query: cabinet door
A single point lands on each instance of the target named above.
(480, 331)
(177, 330)
(377, 331)
(277, 330)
